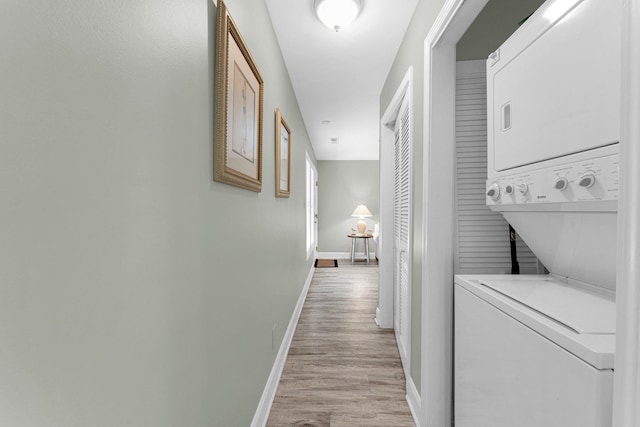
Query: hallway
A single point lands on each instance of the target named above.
(341, 370)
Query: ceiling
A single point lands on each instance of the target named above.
(338, 76)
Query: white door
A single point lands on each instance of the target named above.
(311, 204)
(401, 213)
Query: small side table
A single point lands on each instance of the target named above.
(354, 238)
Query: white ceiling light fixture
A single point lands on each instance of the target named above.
(337, 14)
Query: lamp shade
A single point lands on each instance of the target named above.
(362, 212)
(337, 14)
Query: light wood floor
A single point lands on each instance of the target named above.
(342, 370)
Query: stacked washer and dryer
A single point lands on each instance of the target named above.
(538, 350)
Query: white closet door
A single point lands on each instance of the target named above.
(401, 216)
(482, 235)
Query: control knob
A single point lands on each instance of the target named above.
(561, 183)
(587, 180)
(523, 188)
(494, 191)
(509, 189)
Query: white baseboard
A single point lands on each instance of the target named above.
(343, 255)
(413, 399)
(333, 255)
(264, 406)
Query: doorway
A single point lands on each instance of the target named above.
(311, 207)
(453, 21)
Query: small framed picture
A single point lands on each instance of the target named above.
(283, 156)
(238, 108)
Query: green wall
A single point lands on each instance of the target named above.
(135, 290)
(497, 21)
(342, 185)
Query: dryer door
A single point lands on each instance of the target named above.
(554, 87)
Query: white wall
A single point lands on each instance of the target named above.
(134, 290)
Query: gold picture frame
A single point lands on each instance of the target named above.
(239, 90)
(283, 156)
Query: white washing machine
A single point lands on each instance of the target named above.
(532, 352)
(538, 351)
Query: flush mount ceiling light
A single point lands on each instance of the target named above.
(337, 14)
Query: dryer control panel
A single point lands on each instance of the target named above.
(588, 180)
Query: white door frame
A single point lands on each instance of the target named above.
(626, 412)
(384, 312)
(438, 210)
(311, 187)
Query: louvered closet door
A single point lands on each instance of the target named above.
(482, 235)
(401, 209)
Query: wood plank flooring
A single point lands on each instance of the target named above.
(342, 370)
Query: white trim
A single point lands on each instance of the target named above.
(413, 399)
(390, 114)
(627, 372)
(384, 312)
(269, 393)
(344, 255)
(333, 255)
(438, 208)
(312, 245)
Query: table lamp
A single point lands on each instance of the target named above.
(361, 212)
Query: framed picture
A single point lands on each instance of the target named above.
(238, 108)
(283, 156)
